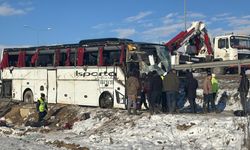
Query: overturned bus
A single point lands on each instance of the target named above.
(90, 73)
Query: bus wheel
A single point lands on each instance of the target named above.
(28, 97)
(106, 100)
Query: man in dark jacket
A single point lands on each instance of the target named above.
(155, 87)
(192, 85)
(171, 86)
(243, 90)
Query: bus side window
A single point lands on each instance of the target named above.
(13, 60)
(45, 60)
(63, 58)
(111, 57)
(72, 59)
(28, 60)
(90, 58)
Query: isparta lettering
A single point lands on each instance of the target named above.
(86, 74)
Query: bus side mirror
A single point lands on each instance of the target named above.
(11, 68)
(225, 50)
(85, 68)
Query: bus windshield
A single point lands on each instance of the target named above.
(240, 42)
(157, 53)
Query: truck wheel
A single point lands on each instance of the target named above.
(219, 70)
(28, 97)
(106, 100)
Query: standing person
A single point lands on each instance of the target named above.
(207, 93)
(143, 94)
(149, 92)
(215, 88)
(155, 87)
(41, 107)
(132, 87)
(171, 86)
(182, 95)
(192, 85)
(163, 97)
(243, 90)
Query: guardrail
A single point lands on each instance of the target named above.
(227, 63)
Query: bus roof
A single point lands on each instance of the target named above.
(104, 42)
(148, 44)
(84, 43)
(42, 47)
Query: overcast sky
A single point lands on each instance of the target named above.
(44, 22)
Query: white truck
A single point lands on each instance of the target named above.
(194, 46)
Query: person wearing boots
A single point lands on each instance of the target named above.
(132, 87)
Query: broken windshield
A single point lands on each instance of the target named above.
(153, 57)
(240, 42)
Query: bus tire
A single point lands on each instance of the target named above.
(219, 70)
(28, 96)
(106, 100)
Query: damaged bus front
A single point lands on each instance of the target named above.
(147, 57)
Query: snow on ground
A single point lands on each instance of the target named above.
(12, 140)
(114, 129)
(184, 131)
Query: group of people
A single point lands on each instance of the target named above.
(162, 92)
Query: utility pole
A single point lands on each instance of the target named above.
(185, 15)
(37, 30)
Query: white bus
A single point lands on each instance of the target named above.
(89, 73)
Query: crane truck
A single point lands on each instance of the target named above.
(195, 46)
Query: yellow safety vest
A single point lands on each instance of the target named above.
(42, 105)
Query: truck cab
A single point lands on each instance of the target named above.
(231, 47)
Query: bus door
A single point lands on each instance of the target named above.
(52, 88)
(6, 89)
(119, 86)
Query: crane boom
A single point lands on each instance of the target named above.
(195, 41)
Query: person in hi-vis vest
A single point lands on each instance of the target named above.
(41, 107)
